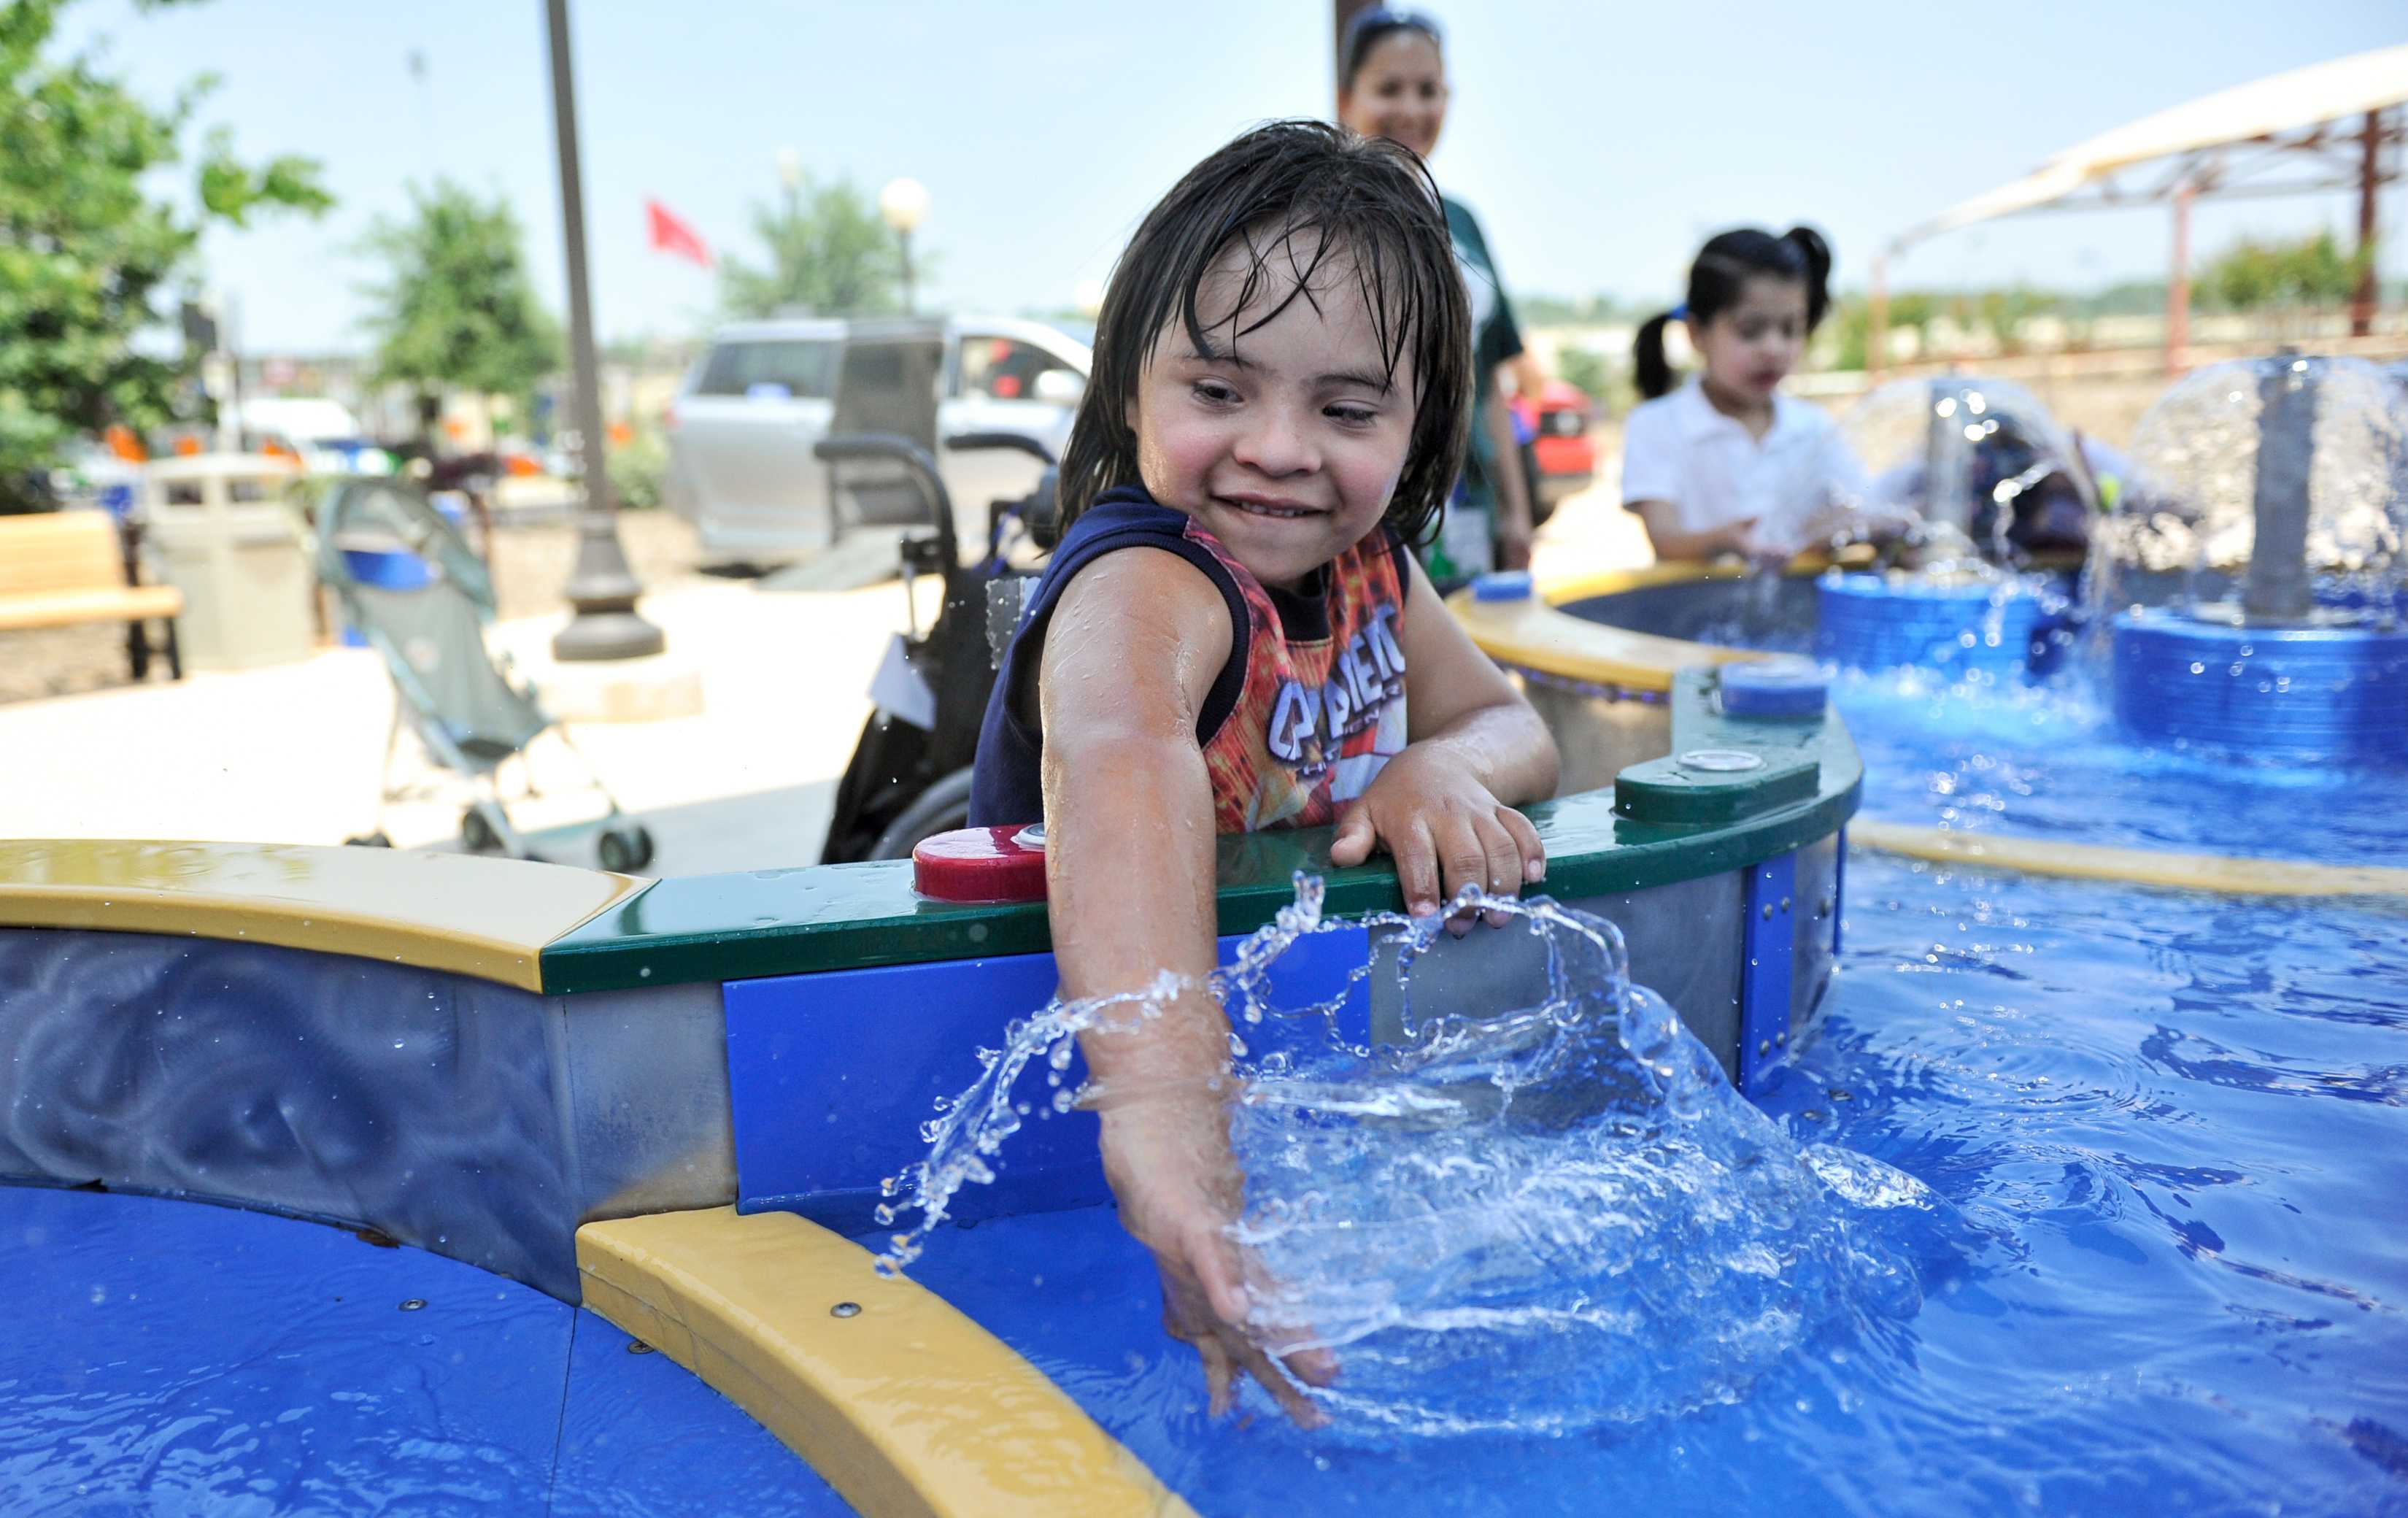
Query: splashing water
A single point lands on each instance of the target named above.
(1543, 1217)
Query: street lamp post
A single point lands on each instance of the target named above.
(602, 588)
(904, 204)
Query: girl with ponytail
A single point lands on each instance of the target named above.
(1727, 464)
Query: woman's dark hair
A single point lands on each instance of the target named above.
(1722, 267)
(1313, 203)
(1371, 27)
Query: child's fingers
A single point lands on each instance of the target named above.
(1525, 840)
(1297, 1406)
(1220, 1374)
(1355, 838)
(1416, 859)
(1464, 855)
(1504, 865)
(1213, 1258)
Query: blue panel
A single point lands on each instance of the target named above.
(167, 1356)
(1765, 975)
(1866, 622)
(830, 1076)
(2296, 693)
(412, 1101)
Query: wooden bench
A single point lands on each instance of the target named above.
(63, 568)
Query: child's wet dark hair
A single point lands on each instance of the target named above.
(1322, 205)
(1722, 267)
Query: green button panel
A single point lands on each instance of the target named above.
(730, 927)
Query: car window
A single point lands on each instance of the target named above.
(805, 367)
(1004, 369)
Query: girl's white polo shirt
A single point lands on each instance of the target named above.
(1679, 449)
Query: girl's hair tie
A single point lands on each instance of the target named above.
(1678, 313)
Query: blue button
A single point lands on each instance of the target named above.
(1502, 585)
(1774, 688)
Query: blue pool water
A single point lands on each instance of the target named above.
(167, 1359)
(2170, 1136)
(2048, 761)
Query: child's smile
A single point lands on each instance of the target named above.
(1285, 439)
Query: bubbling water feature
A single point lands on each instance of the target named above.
(1539, 1218)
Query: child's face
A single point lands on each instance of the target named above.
(1399, 92)
(1752, 344)
(1287, 442)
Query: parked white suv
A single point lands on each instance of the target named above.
(742, 426)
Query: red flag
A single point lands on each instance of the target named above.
(672, 236)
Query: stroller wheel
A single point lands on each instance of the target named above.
(378, 840)
(476, 833)
(628, 846)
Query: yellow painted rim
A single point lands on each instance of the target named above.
(905, 1405)
(487, 918)
(1533, 635)
(2222, 874)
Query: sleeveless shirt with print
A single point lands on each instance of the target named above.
(1310, 706)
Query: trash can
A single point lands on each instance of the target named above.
(224, 534)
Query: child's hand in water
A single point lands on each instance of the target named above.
(1168, 1159)
(1432, 812)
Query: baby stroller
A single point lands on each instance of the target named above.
(407, 579)
(909, 776)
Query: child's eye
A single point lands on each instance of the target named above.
(1353, 416)
(1213, 392)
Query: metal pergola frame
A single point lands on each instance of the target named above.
(2355, 149)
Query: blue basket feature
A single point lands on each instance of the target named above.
(1867, 623)
(1502, 585)
(2291, 694)
(1774, 688)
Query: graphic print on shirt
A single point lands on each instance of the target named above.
(1318, 718)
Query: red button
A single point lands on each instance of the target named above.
(979, 864)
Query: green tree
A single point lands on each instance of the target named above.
(2251, 275)
(456, 310)
(86, 254)
(830, 254)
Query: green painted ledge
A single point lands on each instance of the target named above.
(733, 928)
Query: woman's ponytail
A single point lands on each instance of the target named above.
(1649, 367)
(1817, 256)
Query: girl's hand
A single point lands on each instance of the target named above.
(1446, 830)
(1168, 1159)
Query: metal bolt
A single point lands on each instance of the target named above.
(413, 1304)
(1767, 911)
(845, 1309)
(1763, 1047)
(1784, 903)
(1824, 910)
(637, 1346)
(1781, 1038)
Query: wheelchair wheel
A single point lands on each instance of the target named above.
(625, 847)
(477, 835)
(940, 808)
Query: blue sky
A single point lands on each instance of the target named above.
(1599, 141)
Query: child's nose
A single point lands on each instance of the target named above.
(1278, 443)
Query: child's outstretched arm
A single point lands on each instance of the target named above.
(1132, 649)
(1445, 808)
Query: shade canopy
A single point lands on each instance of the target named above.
(2264, 111)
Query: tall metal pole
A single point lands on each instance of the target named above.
(2370, 175)
(911, 289)
(2178, 282)
(601, 587)
(1877, 317)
